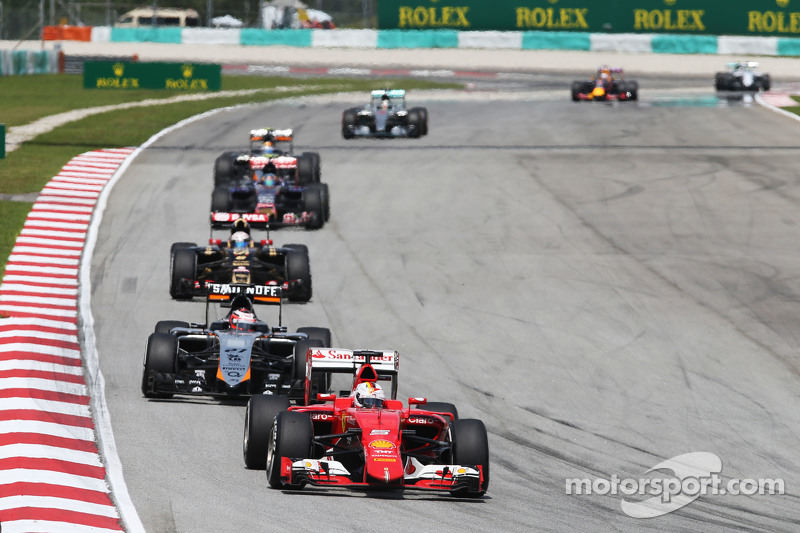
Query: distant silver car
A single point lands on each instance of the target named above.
(742, 76)
(386, 115)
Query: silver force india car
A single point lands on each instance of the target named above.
(237, 356)
(742, 76)
(386, 115)
(365, 439)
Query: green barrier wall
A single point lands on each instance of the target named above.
(707, 17)
(135, 75)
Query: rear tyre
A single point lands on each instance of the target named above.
(633, 89)
(159, 358)
(221, 200)
(300, 351)
(766, 82)
(723, 81)
(165, 326)
(326, 201)
(315, 165)
(224, 168)
(261, 411)
(298, 266)
(323, 335)
(312, 203)
(576, 90)
(305, 169)
(291, 436)
(471, 447)
(183, 269)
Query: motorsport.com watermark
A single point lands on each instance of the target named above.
(693, 475)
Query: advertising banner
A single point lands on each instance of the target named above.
(704, 17)
(141, 75)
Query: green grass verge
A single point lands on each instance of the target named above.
(13, 215)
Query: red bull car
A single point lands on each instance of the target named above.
(607, 84)
(364, 439)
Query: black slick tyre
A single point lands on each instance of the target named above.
(165, 326)
(298, 267)
(183, 267)
(471, 448)
(291, 436)
(258, 418)
(441, 407)
(159, 358)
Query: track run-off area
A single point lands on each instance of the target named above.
(606, 286)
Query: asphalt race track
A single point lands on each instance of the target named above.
(605, 286)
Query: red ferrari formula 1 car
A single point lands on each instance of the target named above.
(364, 439)
(608, 84)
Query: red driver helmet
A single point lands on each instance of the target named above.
(243, 320)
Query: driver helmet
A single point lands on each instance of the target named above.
(243, 320)
(269, 179)
(368, 395)
(240, 239)
(268, 148)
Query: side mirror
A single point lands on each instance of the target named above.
(215, 242)
(417, 401)
(326, 397)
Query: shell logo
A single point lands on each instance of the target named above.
(381, 444)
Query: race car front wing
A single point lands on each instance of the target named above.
(320, 472)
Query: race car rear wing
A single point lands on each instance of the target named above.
(244, 295)
(386, 363)
(227, 292)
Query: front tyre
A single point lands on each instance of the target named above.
(291, 436)
(471, 448)
(159, 358)
(261, 411)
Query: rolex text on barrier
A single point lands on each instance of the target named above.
(698, 17)
(156, 75)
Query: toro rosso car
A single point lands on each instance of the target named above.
(385, 116)
(607, 84)
(268, 193)
(268, 142)
(239, 259)
(236, 356)
(742, 76)
(365, 439)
